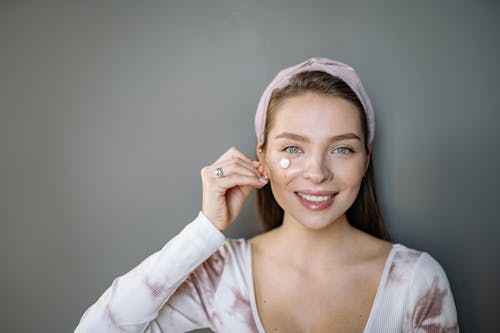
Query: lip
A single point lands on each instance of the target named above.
(316, 192)
(316, 206)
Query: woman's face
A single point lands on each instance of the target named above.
(322, 137)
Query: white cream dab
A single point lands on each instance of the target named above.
(284, 163)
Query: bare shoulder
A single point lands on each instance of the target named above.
(261, 241)
(264, 238)
(371, 248)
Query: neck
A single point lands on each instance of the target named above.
(306, 246)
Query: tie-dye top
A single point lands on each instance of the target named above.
(200, 279)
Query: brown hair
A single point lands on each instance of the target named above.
(364, 213)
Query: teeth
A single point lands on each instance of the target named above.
(315, 198)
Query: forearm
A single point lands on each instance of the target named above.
(135, 299)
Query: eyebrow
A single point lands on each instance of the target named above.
(296, 137)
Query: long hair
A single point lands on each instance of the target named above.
(364, 213)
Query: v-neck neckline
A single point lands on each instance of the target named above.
(376, 301)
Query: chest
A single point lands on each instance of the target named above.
(337, 302)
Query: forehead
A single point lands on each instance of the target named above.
(316, 116)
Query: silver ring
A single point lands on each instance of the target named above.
(219, 173)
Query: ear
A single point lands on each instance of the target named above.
(260, 152)
(261, 157)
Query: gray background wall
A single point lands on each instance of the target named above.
(108, 110)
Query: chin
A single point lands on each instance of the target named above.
(317, 221)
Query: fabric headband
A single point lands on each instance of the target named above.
(332, 67)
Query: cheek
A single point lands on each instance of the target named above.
(280, 175)
(350, 173)
(279, 179)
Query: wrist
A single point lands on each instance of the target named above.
(220, 226)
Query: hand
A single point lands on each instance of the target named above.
(223, 196)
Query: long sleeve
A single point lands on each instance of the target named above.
(431, 301)
(135, 300)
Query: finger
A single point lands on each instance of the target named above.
(261, 169)
(237, 165)
(232, 153)
(210, 176)
(226, 183)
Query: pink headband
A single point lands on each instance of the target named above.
(332, 67)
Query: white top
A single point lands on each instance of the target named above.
(199, 279)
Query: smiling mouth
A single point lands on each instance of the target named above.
(315, 198)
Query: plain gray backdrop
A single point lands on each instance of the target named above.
(109, 109)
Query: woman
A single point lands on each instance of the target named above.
(324, 264)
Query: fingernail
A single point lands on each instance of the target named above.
(263, 180)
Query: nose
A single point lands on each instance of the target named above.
(317, 169)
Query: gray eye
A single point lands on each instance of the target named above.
(292, 149)
(342, 150)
